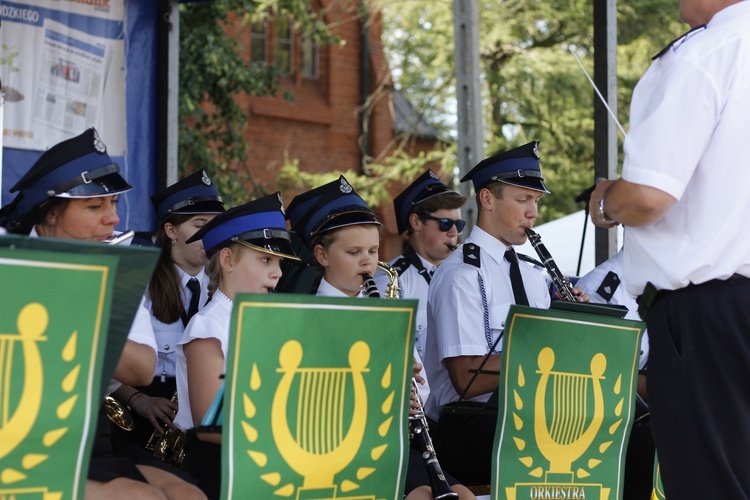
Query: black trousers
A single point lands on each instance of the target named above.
(698, 388)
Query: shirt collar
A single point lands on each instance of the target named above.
(489, 244)
(185, 277)
(428, 266)
(325, 289)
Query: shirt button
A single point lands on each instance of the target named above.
(166, 347)
(420, 327)
(502, 324)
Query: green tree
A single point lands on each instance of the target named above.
(533, 87)
(213, 73)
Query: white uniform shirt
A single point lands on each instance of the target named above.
(168, 335)
(211, 322)
(688, 138)
(592, 281)
(140, 332)
(414, 286)
(325, 289)
(455, 311)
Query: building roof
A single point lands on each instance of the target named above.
(407, 120)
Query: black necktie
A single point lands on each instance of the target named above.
(195, 290)
(516, 281)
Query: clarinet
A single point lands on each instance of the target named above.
(561, 282)
(369, 288)
(439, 485)
(421, 432)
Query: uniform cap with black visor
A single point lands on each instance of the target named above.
(426, 186)
(195, 194)
(75, 168)
(327, 207)
(517, 167)
(259, 224)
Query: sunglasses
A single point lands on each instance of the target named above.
(446, 224)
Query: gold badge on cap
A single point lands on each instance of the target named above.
(206, 179)
(345, 187)
(98, 143)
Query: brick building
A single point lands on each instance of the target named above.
(345, 111)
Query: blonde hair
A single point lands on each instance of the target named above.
(214, 270)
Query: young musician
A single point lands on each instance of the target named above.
(177, 290)
(468, 300)
(72, 192)
(245, 246)
(343, 234)
(429, 213)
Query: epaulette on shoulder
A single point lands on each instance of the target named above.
(471, 254)
(401, 265)
(530, 260)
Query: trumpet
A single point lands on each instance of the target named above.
(117, 414)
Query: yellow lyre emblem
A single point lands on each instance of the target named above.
(18, 419)
(318, 423)
(569, 410)
(15, 425)
(570, 434)
(319, 447)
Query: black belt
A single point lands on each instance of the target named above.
(651, 295)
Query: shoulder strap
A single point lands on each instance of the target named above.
(609, 285)
(401, 265)
(530, 260)
(471, 254)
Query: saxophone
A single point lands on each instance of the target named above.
(168, 447)
(441, 489)
(370, 289)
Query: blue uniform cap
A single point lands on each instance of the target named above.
(328, 207)
(518, 166)
(424, 187)
(260, 224)
(75, 168)
(195, 194)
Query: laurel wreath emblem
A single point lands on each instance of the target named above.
(260, 458)
(520, 443)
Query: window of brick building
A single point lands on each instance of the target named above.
(259, 42)
(276, 42)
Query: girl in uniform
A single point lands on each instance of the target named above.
(72, 192)
(245, 246)
(177, 290)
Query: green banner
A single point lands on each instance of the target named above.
(566, 404)
(132, 274)
(317, 397)
(53, 331)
